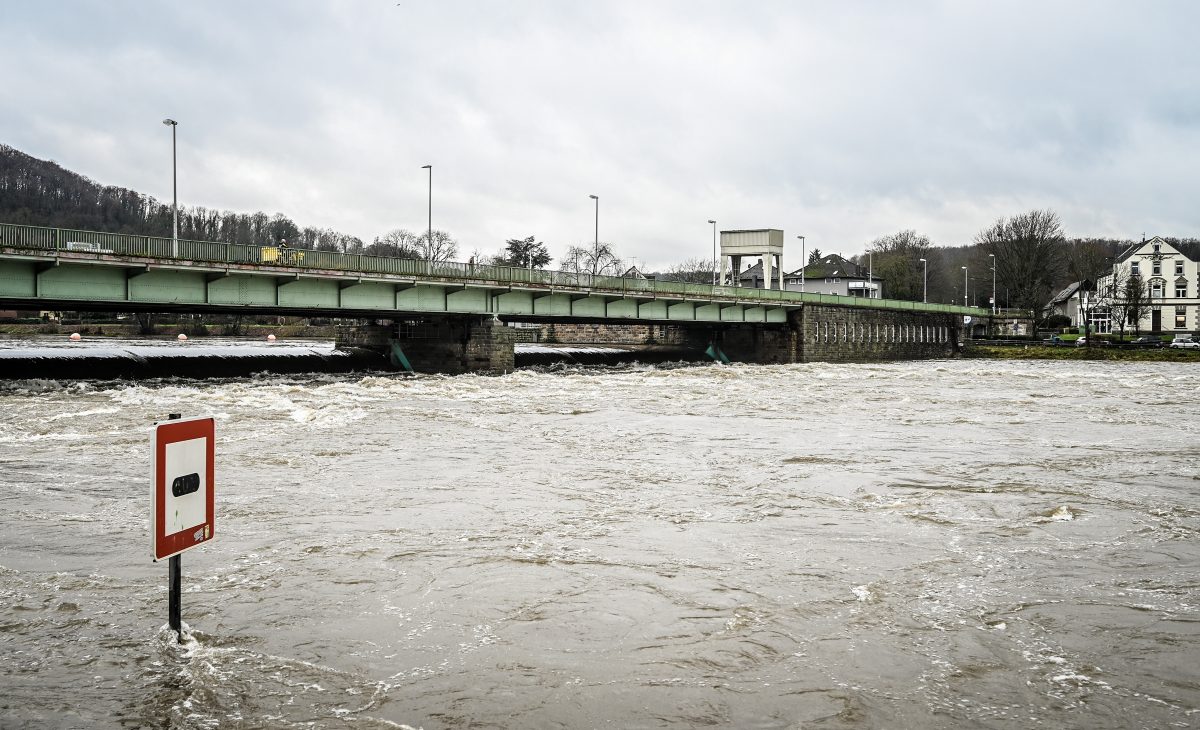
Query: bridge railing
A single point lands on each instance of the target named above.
(125, 244)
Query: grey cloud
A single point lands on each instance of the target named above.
(841, 122)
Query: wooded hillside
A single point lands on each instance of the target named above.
(42, 193)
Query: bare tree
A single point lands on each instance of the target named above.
(398, 243)
(439, 247)
(1130, 301)
(1029, 260)
(1090, 258)
(692, 271)
(597, 260)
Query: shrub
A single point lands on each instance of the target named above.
(1057, 321)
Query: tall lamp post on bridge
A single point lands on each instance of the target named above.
(596, 240)
(714, 259)
(924, 281)
(174, 192)
(993, 257)
(964, 286)
(429, 234)
(870, 274)
(803, 263)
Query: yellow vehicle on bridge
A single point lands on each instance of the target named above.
(280, 255)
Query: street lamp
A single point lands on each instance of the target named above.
(964, 286)
(174, 193)
(596, 251)
(925, 281)
(870, 275)
(714, 260)
(993, 257)
(429, 239)
(803, 263)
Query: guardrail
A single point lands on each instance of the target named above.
(124, 244)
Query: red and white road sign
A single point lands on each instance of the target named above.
(181, 498)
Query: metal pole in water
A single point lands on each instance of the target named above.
(174, 579)
(175, 569)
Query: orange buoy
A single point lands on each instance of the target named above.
(182, 337)
(75, 337)
(270, 338)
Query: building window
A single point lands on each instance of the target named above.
(1135, 268)
(1180, 290)
(1157, 268)
(1157, 247)
(1178, 268)
(1180, 318)
(1156, 290)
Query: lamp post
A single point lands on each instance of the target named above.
(429, 234)
(870, 275)
(964, 286)
(924, 281)
(174, 192)
(993, 257)
(596, 244)
(714, 260)
(803, 263)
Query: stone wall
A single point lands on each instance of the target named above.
(763, 344)
(848, 334)
(823, 333)
(605, 333)
(442, 344)
(457, 345)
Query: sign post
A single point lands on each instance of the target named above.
(181, 497)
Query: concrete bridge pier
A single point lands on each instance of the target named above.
(447, 344)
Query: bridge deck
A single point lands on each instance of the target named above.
(58, 268)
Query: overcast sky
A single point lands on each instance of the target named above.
(840, 121)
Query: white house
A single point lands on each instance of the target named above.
(1170, 277)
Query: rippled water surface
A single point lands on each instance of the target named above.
(929, 544)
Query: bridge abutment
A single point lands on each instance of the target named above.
(852, 334)
(829, 333)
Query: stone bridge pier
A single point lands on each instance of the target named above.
(445, 344)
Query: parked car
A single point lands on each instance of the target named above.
(1096, 342)
(1148, 341)
(1054, 341)
(1184, 344)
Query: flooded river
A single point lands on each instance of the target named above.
(911, 545)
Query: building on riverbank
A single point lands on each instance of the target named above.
(1155, 286)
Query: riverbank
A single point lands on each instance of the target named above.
(1043, 352)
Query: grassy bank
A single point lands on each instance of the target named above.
(1041, 352)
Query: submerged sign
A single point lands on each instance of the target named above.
(181, 499)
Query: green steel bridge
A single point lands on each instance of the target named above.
(59, 268)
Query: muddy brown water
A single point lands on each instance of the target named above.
(930, 544)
